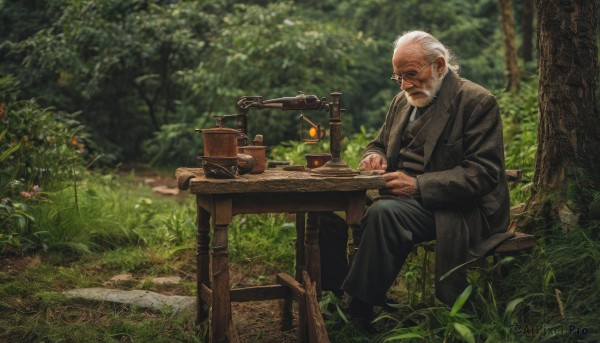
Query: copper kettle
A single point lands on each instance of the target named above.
(220, 142)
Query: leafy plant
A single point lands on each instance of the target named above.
(37, 155)
(15, 222)
(36, 144)
(179, 230)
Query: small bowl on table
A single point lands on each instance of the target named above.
(316, 160)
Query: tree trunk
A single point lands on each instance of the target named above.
(567, 163)
(513, 74)
(527, 30)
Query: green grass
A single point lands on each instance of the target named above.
(34, 310)
(52, 319)
(118, 226)
(550, 296)
(267, 240)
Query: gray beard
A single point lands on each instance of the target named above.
(431, 89)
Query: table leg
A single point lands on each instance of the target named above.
(354, 243)
(301, 267)
(202, 259)
(221, 324)
(313, 260)
(300, 255)
(354, 214)
(287, 306)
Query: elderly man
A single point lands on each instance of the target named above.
(441, 153)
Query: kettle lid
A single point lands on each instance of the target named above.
(218, 130)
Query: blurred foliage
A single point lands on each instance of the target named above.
(115, 62)
(273, 51)
(352, 148)
(143, 75)
(520, 119)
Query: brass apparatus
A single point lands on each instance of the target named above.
(334, 167)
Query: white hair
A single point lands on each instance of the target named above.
(431, 48)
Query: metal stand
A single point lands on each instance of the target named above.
(336, 166)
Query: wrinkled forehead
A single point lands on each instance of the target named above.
(407, 55)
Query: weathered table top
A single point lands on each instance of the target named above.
(277, 180)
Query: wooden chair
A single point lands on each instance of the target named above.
(521, 243)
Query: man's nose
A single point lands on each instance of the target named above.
(406, 84)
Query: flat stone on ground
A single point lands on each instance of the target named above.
(150, 181)
(122, 280)
(140, 298)
(165, 190)
(166, 280)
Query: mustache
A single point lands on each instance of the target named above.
(418, 90)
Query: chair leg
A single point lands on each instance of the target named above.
(353, 246)
(287, 317)
(498, 273)
(424, 274)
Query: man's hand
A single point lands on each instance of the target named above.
(398, 183)
(373, 162)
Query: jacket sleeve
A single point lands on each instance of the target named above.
(472, 158)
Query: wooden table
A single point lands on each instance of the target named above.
(274, 191)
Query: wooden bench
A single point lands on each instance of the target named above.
(521, 243)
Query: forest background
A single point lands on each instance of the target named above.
(89, 88)
(141, 75)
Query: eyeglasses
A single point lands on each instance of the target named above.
(410, 76)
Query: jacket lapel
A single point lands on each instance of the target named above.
(395, 140)
(441, 114)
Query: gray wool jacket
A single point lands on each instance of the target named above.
(464, 182)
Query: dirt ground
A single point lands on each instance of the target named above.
(10, 263)
(256, 321)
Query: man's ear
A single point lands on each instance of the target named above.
(441, 65)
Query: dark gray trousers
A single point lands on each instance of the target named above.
(391, 226)
(333, 246)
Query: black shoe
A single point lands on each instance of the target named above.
(366, 327)
(360, 309)
(361, 316)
